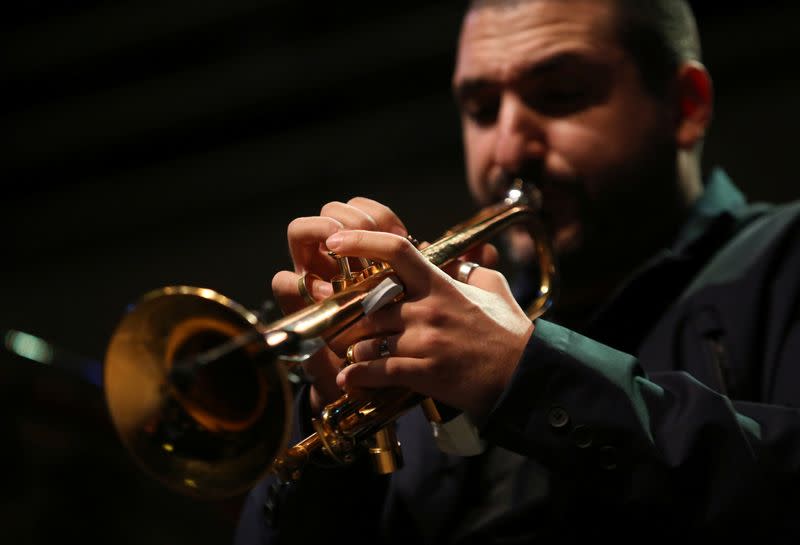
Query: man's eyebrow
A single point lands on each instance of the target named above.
(542, 68)
(471, 86)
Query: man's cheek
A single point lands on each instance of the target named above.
(578, 150)
(478, 163)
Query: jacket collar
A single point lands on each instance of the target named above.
(719, 198)
(630, 313)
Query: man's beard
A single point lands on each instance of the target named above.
(562, 204)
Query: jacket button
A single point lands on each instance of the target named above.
(558, 417)
(582, 436)
(608, 457)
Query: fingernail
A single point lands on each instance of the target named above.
(334, 241)
(340, 379)
(397, 230)
(323, 289)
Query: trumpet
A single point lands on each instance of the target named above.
(198, 387)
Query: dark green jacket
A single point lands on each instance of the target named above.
(672, 416)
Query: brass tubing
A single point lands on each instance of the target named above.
(350, 420)
(197, 394)
(331, 316)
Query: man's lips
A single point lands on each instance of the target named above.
(560, 199)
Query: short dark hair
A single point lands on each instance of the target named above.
(659, 35)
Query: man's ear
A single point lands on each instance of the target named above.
(695, 104)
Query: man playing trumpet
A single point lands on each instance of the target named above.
(657, 397)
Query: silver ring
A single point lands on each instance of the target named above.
(464, 270)
(383, 348)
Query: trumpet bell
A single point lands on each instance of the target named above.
(203, 430)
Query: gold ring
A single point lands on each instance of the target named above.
(350, 356)
(464, 270)
(383, 348)
(302, 287)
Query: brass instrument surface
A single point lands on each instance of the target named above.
(215, 433)
(210, 439)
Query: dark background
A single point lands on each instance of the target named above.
(148, 143)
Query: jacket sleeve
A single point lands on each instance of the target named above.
(663, 443)
(312, 509)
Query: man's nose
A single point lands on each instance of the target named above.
(521, 136)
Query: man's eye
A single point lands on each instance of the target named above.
(561, 100)
(569, 93)
(481, 112)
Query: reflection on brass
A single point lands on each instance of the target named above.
(384, 450)
(207, 435)
(193, 400)
(431, 411)
(197, 386)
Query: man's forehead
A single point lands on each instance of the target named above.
(496, 35)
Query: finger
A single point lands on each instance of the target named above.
(489, 280)
(322, 369)
(461, 270)
(385, 218)
(349, 216)
(322, 374)
(387, 321)
(415, 271)
(287, 283)
(373, 349)
(482, 281)
(405, 344)
(381, 373)
(285, 290)
(305, 235)
(484, 254)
